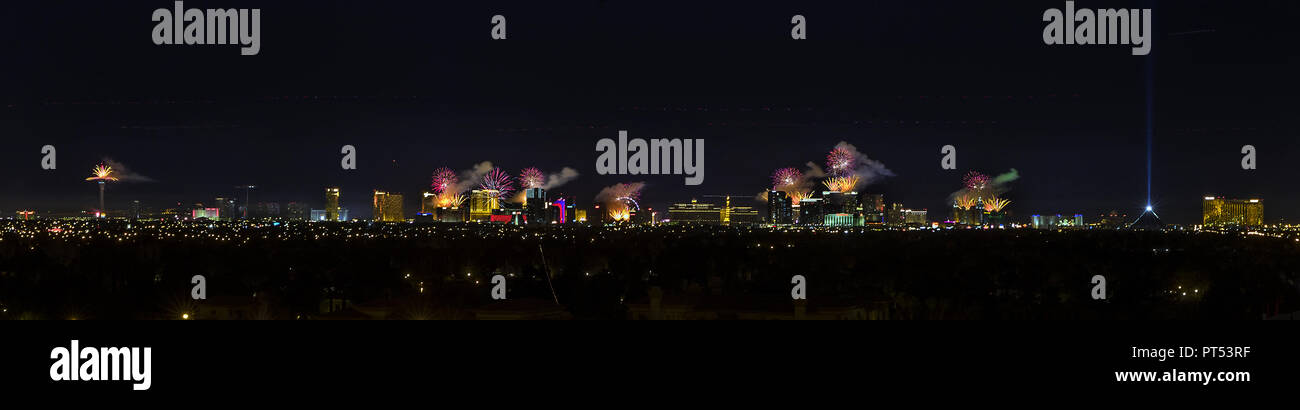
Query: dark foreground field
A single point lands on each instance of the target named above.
(112, 270)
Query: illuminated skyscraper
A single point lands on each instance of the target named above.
(481, 203)
(228, 208)
(535, 206)
(332, 204)
(810, 211)
(1220, 211)
(779, 209)
(428, 202)
(388, 207)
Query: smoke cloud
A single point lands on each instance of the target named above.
(613, 192)
(124, 174)
(470, 178)
(555, 180)
(868, 170)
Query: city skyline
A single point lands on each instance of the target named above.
(359, 206)
(1073, 122)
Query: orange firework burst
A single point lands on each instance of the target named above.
(796, 196)
(450, 199)
(842, 184)
(102, 173)
(967, 202)
(622, 214)
(996, 204)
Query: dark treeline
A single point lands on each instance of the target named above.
(429, 271)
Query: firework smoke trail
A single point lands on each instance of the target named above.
(786, 178)
(531, 178)
(555, 180)
(124, 174)
(444, 179)
(840, 161)
(867, 169)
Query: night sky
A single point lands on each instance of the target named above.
(415, 86)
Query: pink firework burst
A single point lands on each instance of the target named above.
(975, 181)
(499, 181)
(531, 178)
(785, 178)
(444, 179)
(840, 161)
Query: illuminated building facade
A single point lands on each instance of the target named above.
(973, 215)
(450, 214)
(562, 211)
(810, 211)
(536, 209)
(779, 208)
(428, 202)
(1223, 212)
(206, 213)
(840, 219)
(332, 210)
(916, 217)
(873, 208)
(744, 215)
(1056, 221)
(228, 208)
(388, 207)
(296, 212)
(481, 204)
(695, 213)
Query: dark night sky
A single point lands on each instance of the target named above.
(419, 85)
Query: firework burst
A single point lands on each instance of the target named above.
(531, 178)
(620, 200)
(975, 181)
(102, 173)
(996, 204)
(443, 179)
(786, 178)
(842, 184)
(499, 181)
(449, 199)
(967, 202)
(796, 196)
(840, 161)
